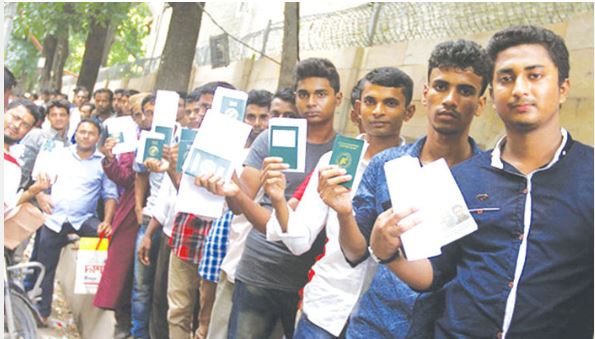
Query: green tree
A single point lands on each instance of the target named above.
(54, 23)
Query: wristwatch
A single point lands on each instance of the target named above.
(384, 261)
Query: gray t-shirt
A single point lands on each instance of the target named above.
(270, 264)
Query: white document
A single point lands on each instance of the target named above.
(197, 200)
(223, 137)
(229, 102)
(289, 138)
(142, 140)
(166, 109)
(48, 160)
(441, 208)
(124, 130)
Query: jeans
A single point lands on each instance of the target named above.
(158, 326)
(308, 330)
(256, 310)
(142, 288)
(48, 253)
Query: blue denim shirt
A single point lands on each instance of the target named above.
(550, 214)
(390, 309)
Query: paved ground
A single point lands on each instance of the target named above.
(61, 324)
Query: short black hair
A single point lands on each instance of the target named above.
(92, 122)
(391, 77)
(89, 104)
(130, 92)
(208, 88)
(105, 90)
(286, 94)
(80, 88)
(462, 54)
(148, 99)
(260, 98)
(58, 103)
(119, 91)
(29, 106)
(317, 68)
(528, 34)
(9, 80)
(182, 94)
(356, 92)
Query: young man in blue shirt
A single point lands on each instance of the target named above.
(527, 272)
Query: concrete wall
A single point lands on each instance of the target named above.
(411, 56)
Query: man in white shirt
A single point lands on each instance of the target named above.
(384, 104)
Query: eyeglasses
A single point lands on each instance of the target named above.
(18, 118)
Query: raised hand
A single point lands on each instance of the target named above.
(385, 239)
(331, 192)
(272, 178)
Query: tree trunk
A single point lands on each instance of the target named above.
(175, 66)
(93, 53)
(49, 48)
(60, 57)
(109, 41)
(291, 45)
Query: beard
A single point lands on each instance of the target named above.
(9, 141)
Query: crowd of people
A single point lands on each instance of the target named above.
(300, 254)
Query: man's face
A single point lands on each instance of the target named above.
(58, 118)
(86, 136)
(17, 123)
(382, 110)
(102, 103)
(316, 100)
(525, 88)
(283, 109)
(144, 119)
(118, 104)
(86, 111)
(80, 98)
(452, 100)
(198, 109)
(124, 105)
(182, 113)
(258, 118)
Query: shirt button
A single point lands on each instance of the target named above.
(510, 284)
(499, 335)
(524, 191)
(521, 236)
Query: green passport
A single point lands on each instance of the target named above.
(188, 134)
(283, 143)
(183, 149)
(167, 132)
(153, 149)
(346, 154)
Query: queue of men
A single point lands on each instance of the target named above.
(299, 254)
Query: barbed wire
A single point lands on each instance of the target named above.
(396, 22)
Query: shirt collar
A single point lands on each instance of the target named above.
(497, 152)
(95, 154)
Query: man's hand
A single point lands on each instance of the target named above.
(155, 165)
(105, 228)
(143, 250)
(42, 183)
(108, 147)
(45, 202)
(272, 179)
(385, 239)
(331, 192)
(217, 185)
(171, 155)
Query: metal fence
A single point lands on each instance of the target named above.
(378, 24)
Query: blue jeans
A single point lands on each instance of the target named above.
(308, 330)
(256, 310)
(142, 286)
